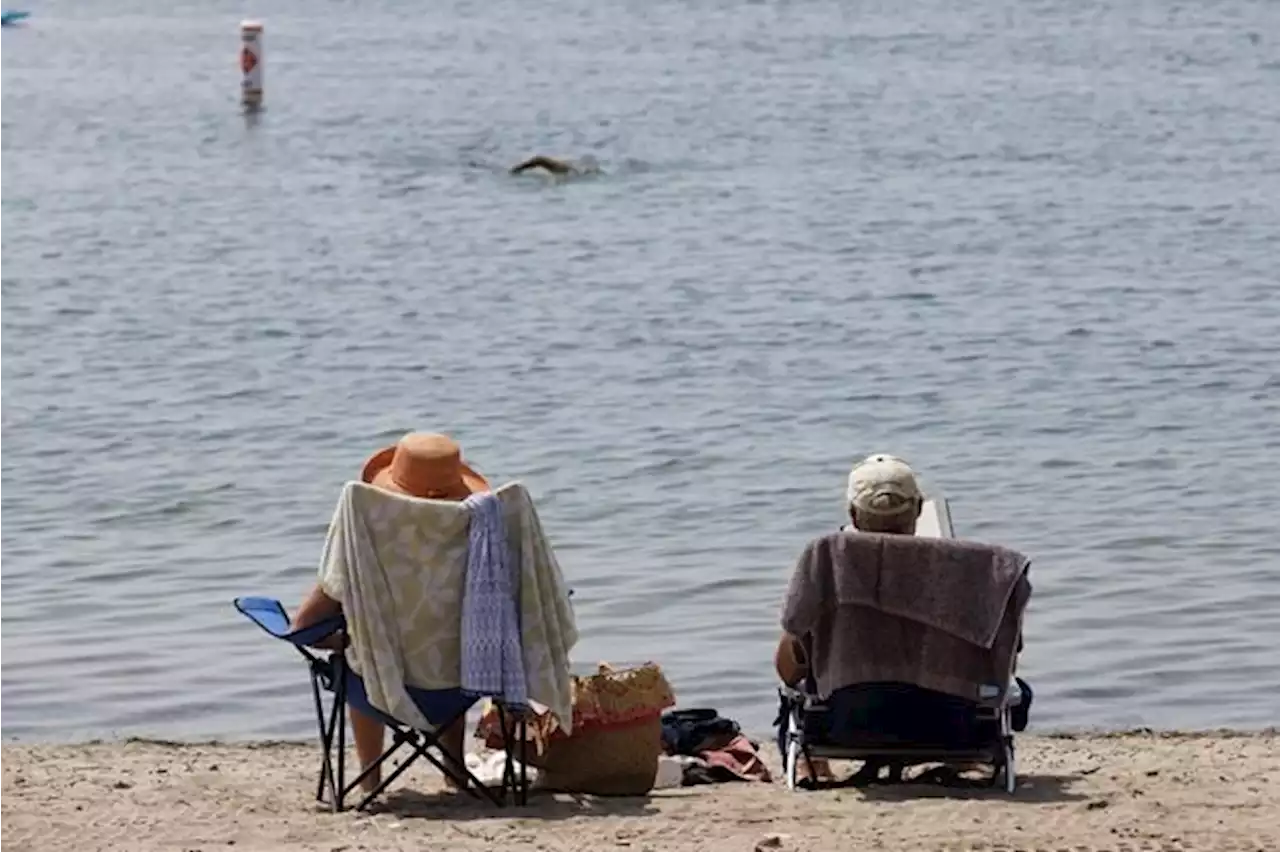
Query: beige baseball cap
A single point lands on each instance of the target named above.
(882, 485)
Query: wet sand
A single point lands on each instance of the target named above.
(1132, 791)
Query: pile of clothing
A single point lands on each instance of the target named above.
(710, 748)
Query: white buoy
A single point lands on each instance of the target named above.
(251, 61)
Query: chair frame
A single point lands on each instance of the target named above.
(330, 673)
(995, 705)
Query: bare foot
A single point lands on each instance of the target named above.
(372, 780)
(820, 772)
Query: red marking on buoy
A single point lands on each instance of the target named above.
(247, 60)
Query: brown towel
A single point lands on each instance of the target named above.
(939, 613)
(960, 587)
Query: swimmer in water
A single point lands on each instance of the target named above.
(560, 168)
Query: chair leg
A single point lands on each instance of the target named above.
(1010, 767)
(399, 739)
(508, 761)
(421, 745)
(450, 766)
(324, 740)
(516, 744)
(512, 736)
(327, 775)
(514, 729)
(795, 750)
(457, 770)
(478, 789)
(339, 719)
(523, 796)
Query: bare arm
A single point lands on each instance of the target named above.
(316, 608)
(789, 660)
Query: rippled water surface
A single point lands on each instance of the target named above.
(1031, 246)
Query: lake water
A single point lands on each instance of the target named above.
(1030, 246)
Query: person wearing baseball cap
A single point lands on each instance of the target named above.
(883, 496)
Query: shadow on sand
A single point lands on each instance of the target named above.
(1032, 789)
(411, 804)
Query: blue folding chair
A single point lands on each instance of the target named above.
(323, 646)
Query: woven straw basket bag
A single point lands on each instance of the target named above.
(617, 734)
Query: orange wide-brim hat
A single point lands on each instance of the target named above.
(425, 465)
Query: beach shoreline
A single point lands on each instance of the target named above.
(1123, 790)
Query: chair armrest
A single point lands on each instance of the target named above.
(792, 694)
(990, 695)
(271, 616)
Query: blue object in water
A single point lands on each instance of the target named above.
(10, 16)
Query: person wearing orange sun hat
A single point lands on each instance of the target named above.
(429, 466)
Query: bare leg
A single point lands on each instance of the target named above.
(813, 771)
(368, 732)
(451, 742)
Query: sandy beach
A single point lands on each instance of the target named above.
(1132, 791)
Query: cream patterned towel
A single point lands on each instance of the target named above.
(398, 566)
